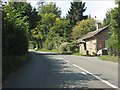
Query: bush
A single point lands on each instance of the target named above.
(50, 46)
(64, 47)
(10, 63)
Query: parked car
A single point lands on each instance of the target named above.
(103, 51)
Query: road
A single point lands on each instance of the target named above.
(51, 70)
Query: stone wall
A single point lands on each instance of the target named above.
(102, 37)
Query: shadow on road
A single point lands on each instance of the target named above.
(62, 75)
(44, 71)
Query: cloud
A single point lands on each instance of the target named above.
(99, 8)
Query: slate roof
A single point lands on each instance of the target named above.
(91, 34)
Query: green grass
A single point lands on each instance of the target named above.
(44, 50)
(12, 63)
(109, 58)
(78, 54)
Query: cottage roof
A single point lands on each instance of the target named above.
(91, 34)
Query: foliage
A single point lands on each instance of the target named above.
(50, 8)
(25, 9)
(106, 20)
(109, 58)
(11, 63)
(61, 27)
(75, 13)
(64, 47)
(112, 18)
(118, 22)
(83, 27)
(51, 28)
(15, 36)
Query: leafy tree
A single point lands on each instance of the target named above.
(15, 27)
(25, 9)
(106, 20)
(50, 8)
(37, 36)
(83, 27)
(118, 22)
(113, 21)
(75, 13)
(48, 14)
(61, 27)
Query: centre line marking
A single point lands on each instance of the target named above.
(104, 81)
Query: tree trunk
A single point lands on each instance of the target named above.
(40, 44)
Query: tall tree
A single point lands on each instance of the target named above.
(75, 13)
(50, 8)
(14, 34)
(61, 27)
(25, 9)
(48, 13)
(83, 27)
(118, 21)
(113, 20)
(106, 20)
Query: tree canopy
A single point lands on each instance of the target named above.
(112, 18)
(15, 36)
(83, 27)
(75, 12)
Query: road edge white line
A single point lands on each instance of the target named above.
(104, 81)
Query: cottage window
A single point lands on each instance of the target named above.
(90, 44)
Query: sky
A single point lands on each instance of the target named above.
(96, 8)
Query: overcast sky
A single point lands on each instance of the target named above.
(94, 7)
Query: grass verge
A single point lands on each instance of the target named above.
(109, 58)
(44, 50)
(12, 63)
(78, 54)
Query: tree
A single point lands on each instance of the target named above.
(14, 34)
(113, 20)
(118, 22)
(106, 20)
(75, 13)
(50, 8)
(25, 9)
(83, 27)
(48, 14)
(37, 36)
(61, 27)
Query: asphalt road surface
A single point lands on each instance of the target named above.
(51, 70)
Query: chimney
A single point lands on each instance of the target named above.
(98, 25)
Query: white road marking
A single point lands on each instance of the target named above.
(104, 81)
(67, 61)
(84, 73)
(68, 64)
(60, 58)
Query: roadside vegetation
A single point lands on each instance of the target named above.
(16, 23)
(109, 58)
(12, 63)
(112, 19)
(47, 50)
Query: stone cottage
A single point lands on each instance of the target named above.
(94, 41)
